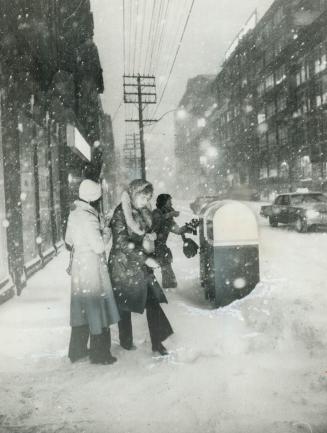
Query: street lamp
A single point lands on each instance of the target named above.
(181, 114)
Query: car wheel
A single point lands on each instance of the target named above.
(273, 221)
(301, 225)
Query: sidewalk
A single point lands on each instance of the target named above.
(250, 367)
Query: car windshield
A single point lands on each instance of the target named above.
(308, 198)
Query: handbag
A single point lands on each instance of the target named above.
(70, 264)
(190, 247)
(148, 242)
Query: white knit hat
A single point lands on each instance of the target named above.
(89, 190)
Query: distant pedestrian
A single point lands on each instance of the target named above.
(131, 265)
(164, 224)
(93, 306)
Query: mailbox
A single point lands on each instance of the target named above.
(229, 251)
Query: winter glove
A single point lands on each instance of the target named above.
(148, 242)
(151, 263)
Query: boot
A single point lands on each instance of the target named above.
(160, 348)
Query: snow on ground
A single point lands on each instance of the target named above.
(258, 365)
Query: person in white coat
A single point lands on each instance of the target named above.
(93, 307)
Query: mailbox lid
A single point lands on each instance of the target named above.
(231, 223)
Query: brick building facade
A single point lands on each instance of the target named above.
(269, 124)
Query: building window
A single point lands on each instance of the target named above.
(273, 164)
(282, 135)
(284, 170)
(272, 138)
(279, 45)
(321, 92)
(244, 82)
(281, 103)
(305, 105)
(260, 64)
(237, 111)
(271, 109)
(306, 167)
(269, 55)
(261, 88)
(320, 63)
(261, 117)
(266, 31)
(280, 74)
(263, 172)
(303, 74)
(262, 142)
(279, 15)
(270, 81)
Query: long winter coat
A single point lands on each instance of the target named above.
(131, 278)
(92, 299)
(163, 225)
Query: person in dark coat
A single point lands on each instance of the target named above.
(131, 265)
(93, 307)
(164, 224)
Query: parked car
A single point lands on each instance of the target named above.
(304, 210)
(243, 193)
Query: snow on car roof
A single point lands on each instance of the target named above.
(302, 193)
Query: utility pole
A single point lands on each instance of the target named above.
(140, 90)
(141, 126)
(132, 153)
(135, 154)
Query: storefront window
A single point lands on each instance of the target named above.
(27, 188)
(306, 166)
(3, 221)
(44, 190)
(56, 183)
(263, 172)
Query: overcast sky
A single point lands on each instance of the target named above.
(212, 27)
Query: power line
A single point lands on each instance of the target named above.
(124, 36)
(174, 40)
(174, 61)
(163, 32)
(156, 34)
(149, 36)
(117, 109)
(175, 31)
(130, 37)
(142, 34)
(135, 34)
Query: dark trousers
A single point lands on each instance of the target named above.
(99, 344)
(159, 326)
(168, 277)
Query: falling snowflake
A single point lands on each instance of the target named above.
(239, 283)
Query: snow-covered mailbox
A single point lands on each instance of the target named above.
(229, 251)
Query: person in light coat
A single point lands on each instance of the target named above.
(93, 307)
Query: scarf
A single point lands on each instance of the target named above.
(139, 221)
